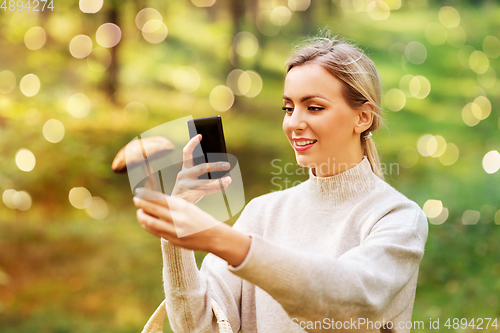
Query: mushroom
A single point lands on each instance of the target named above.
(140, 152)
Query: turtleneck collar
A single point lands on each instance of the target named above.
(343, 187)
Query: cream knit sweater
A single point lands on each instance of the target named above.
(333, 253)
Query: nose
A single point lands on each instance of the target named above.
(297, 121)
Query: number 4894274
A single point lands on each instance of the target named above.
(19, 5)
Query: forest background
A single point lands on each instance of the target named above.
(80, 79)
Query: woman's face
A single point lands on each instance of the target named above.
(321, 127)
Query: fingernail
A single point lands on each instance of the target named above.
(225, 165)
(147, 194)
(226, 179)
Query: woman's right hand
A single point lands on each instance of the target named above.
(187, 184)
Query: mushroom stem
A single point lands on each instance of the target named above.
(152, 180)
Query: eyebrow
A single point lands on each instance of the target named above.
(305, 98)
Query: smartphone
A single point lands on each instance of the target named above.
(212, 147)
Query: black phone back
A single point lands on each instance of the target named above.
(212, 147)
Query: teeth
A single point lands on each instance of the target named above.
(304, 142)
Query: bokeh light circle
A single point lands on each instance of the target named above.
(488, 78)
(245, 44)
(491, 47)
(186, 79)
(79, 105)
(7, 197)
(449, 17)
(35, 38)
(408, 157)
(280, 16)
(395, 100)
(471, 114)
(25, 160)
(435, 34)
(404, 84)
(53, 130)
(22, 200)
(264, 24)
(450, 156)
(244, 83)
(419, 87)
(470, 217)
(456, 36)
(378, 10)
(415, 52)
(80, 197)
(299, 5)
(484, 105)
(352, 6)
(80, 46)
(479, 62)
(7, 82)
(108, 35)
(135, 113)
(487, 213)
(441, 146)
(99, 60)
(154, 31)
(30, 85)
(441, 218)
(256, 84)
(464, 55)
(427, 145)
(203, 3)
(432, 208)
(98, 208)
(145, 15)
(232, 81)
(491, 161)
(221, 98)
(90, 6)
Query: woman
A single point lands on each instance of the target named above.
(339, 251)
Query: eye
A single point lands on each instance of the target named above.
(287, 109)
(315, 108)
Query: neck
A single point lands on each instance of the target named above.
(342, 187)
(332, 166)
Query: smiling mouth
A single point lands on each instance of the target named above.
(303, 143)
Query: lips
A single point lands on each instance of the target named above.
(308, 143)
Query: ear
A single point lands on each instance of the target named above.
(365, 117)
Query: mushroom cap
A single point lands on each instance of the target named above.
(139, 149)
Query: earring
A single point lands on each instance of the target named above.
(368, 136)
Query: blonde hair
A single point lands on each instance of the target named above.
(361, 80)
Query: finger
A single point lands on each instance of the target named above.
(215, 185)
(208, 167)
(187, 151)
(167, 201)
(144, 226)
(148, 194)
(154, 208)
(155, 226)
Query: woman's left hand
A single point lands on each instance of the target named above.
(186, 225)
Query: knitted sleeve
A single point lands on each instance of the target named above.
(361, 283)
(189, 291)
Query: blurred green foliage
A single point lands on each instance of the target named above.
(63, 271)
